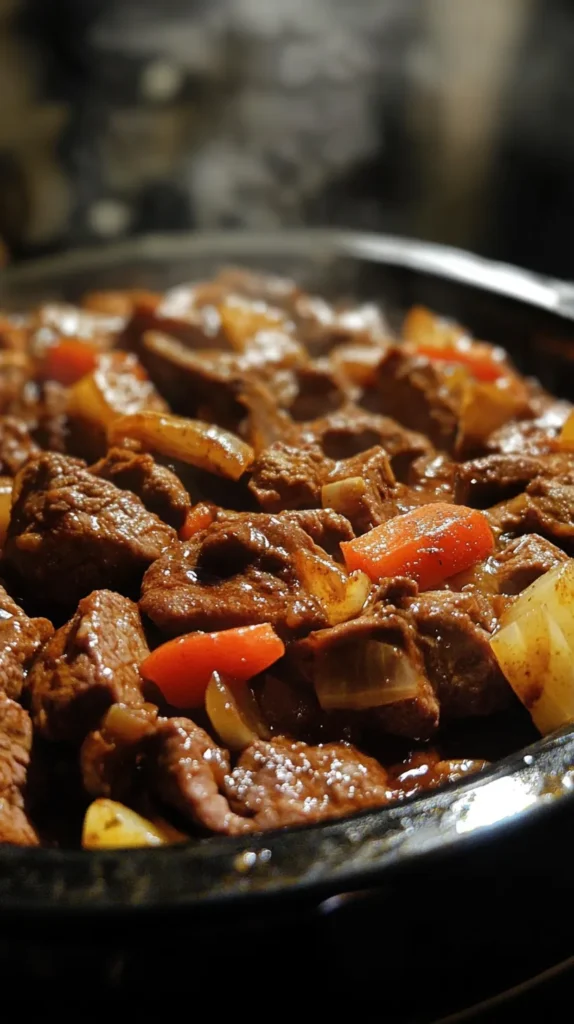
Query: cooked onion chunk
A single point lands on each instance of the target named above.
(534, 647)
(110, 825)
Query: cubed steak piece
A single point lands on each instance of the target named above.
(15, 746)
(16, 445)
(20, 640)
(71, 533)
(160, 490)
(283, 782)
(240, 571)
(89, 664)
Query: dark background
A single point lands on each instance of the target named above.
(442, 119)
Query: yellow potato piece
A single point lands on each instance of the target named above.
(110, 825)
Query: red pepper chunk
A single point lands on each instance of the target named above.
(428, 544)
(68, 361)
(182, 668)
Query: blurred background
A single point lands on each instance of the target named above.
(451, 120)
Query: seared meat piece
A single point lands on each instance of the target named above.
(493, 478)
(239, 571)
(20, 640)
(546, 508)
(531, 436)
(370, 499)
(16, 445)
(188, 771)
(89, 664)
(325, 527)
(50, 421)
(160, 490)
(289, 783)
(453, 632)
(16, 370)
(421, 396)
(339, 651)
(15, 746)
(286, 477)
(433, 476)
(515, 565)
(71, 533)
(187, 313)
(110, 754)
(55, 321)
(312, 391)
(352, 430)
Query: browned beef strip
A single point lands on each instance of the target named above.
(313, 391)
(546, 508)
(419, 394)
(89, 664)
(516, 564)
(160, 490)
(71, 532)
(239, 571)
(493, 478)
(532, 436)
(187, 771)
(283, 782)
(453, 631)
(370, 499)
(353, 430)
(16, 445)
(433, 475)
(20, 640)
(288, 477)
(111, 753)
(325, 527)
(15, 746)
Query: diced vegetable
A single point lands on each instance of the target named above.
(242, 320)
(428, 544)
(182, 668)
(118, 383)
(341, 595)
(344, 495)
(358, 362)
(203, 445)
(565, 439)
(487, 406)
(5, 506)
(198, 518)
(444, 340)
(68, 361)
(109, 825)
(233, 713)
(368, 674)
(534, 647)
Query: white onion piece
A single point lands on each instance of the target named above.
(341, 595)
(343, 496)
(5, 506)
(110, 825)
(368, 674)
(534, 647)
(203, 445)
(234, 713)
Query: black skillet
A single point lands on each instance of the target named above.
(263, 880)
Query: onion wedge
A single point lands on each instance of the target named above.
(341, 595)
(109, 825)
(369, 674)
(534, 647)
(200, 444)
(234, 713)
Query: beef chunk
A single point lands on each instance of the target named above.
(15, 746)
(353, 430)
(433, 476)
(50, 423)
(111, 754)
(421, 395)
(16, 445)
(523, 561)
(89, 664)
(453, 631)
(325, 527)
(188, 771)
(286, 477)
(239, 571)
(546, 508)
(20, 640)
(367, 498)
(493, 478)
(313, 391)
(289, 783)
(54, 321)
(533, 436)
(16, 370)
(341, 652)
(160, 490)
(71, 532)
